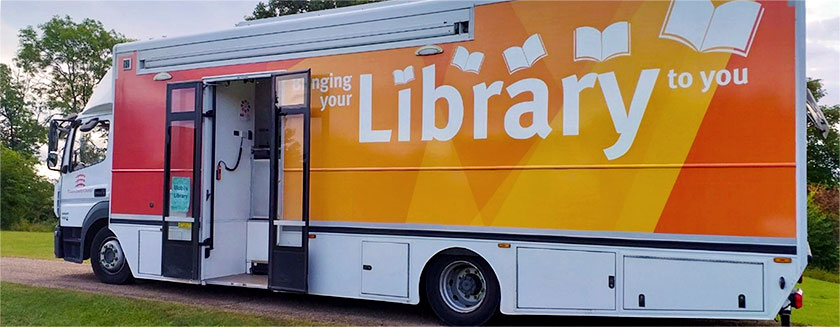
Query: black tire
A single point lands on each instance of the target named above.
(119, 273)
(469, 315)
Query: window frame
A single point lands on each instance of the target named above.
(71, 160)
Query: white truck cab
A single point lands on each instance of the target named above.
(80, 150)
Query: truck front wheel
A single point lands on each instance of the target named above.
(108, 259)
(462, 290)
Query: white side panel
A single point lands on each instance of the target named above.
(258, 240)
(385, 269)
(150, 242)
(559, 279)
(334, 265)
(681, 284)
(130, 242)
(228, 255)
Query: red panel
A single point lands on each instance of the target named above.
(137, 193)
(139, 132)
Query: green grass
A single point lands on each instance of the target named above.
(38, 306)
(37, 245)
(821, 305)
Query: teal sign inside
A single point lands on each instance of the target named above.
(179, 195)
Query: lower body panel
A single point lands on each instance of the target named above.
(538, 275)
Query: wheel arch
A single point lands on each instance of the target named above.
(96, 219)
(451, 251)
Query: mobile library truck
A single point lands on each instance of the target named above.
(607, 158)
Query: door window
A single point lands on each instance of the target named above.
(181, 161)
(90, 147)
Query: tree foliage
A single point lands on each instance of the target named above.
(824, 153)
(25, 196)
(276, 8)
(19, 126)
(824, 228)
(73, 55)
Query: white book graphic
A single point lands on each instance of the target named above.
(699, 25)
(592, 44)
(466, 61)
(402, 76)
(525, 56)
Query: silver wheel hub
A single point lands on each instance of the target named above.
(462, 286)
(111, 255)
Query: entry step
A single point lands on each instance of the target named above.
(242, 280)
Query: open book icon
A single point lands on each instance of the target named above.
(466, 61)
(402, 76)
(525, 56)
(699, 25)
(592, 44)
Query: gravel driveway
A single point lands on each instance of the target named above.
(318, 309)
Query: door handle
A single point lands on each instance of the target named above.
(100, 192)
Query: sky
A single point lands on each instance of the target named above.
(142, 20)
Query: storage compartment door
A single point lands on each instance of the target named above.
(150, 251)
(679, 284)
(560, 279)
(385, 269)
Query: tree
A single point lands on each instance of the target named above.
(19, 126)
(276, 8)
(73, 55)
(824, 154)
(25, 196)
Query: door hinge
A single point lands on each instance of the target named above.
(210, 113)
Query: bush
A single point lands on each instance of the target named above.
(817, 273)
(25, 196)
(824, 228)
(28, 226)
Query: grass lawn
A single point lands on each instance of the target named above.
(26, 244)
(29, 306)
(822, 303)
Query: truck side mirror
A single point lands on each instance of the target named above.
(52, 137)
(53, 161)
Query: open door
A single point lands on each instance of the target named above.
(182, 183)
(288, 238)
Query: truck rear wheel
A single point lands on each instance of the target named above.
(462, 290)
(108, 259)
